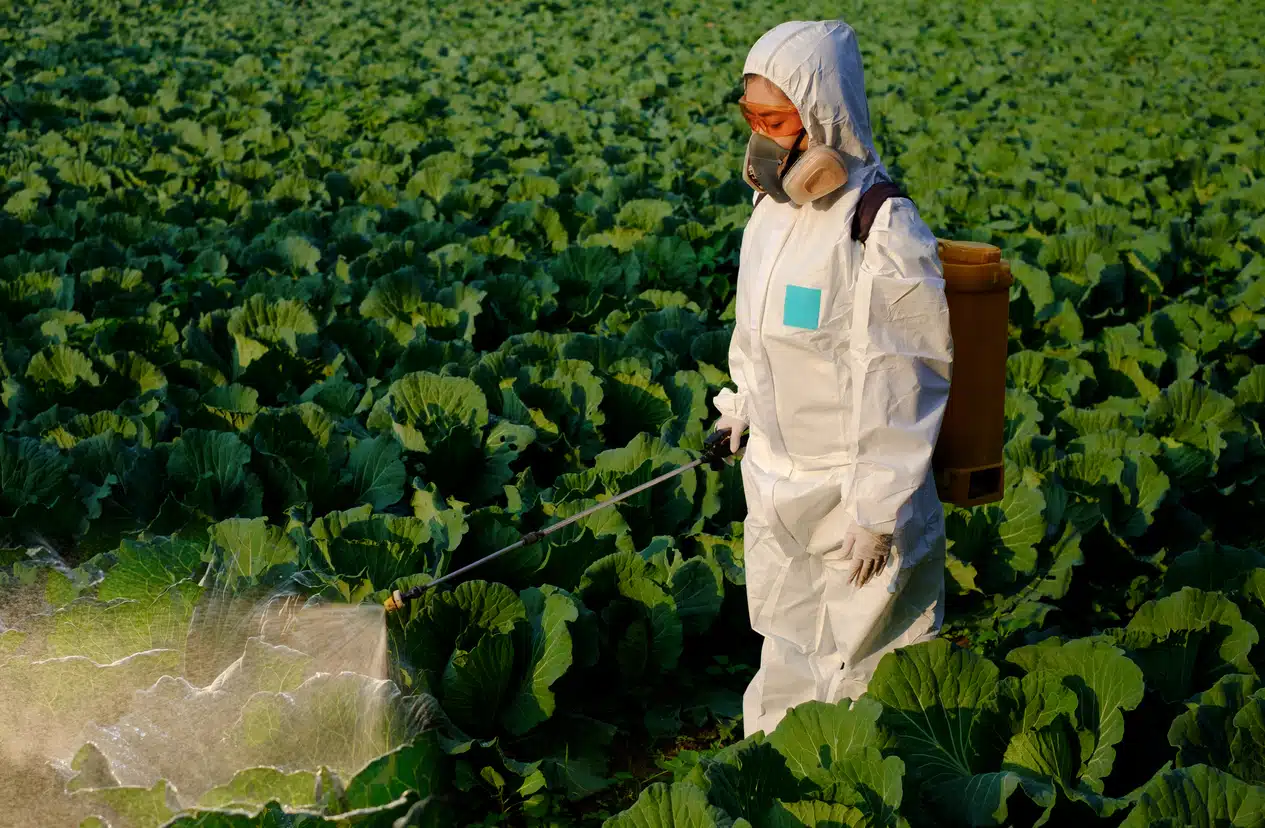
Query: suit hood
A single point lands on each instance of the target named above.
(818, 65)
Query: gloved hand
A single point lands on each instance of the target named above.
(736, 427)
(870, 551)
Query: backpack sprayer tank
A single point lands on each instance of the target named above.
(968, 455)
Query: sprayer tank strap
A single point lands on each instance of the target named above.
(872, 198)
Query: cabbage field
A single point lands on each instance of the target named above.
(302, 301)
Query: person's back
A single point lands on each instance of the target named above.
(841, 358)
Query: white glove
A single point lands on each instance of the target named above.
(870, 552)
(736, 427)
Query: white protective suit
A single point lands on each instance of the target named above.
(841, 357)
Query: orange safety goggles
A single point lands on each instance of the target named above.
(773, 121)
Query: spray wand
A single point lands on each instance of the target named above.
(715, 450)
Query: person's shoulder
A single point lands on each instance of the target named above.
(899, 214)
(900, 231)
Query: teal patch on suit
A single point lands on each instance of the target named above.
(802, 308)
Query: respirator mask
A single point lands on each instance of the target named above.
(789, 175)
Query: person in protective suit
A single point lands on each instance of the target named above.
(840, 358)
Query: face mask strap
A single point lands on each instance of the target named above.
(793, 155)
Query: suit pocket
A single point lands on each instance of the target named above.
(801, 307)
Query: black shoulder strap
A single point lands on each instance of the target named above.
(871, 200)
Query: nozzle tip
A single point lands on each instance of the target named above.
(395, 602)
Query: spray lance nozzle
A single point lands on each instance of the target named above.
(398, 599)
(715, 451)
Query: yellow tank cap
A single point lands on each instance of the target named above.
(967, 252)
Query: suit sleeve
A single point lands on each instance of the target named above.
(902, 355)
(734, 401)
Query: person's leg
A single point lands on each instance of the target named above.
(785, 679)
(798, 657)
(901, 607)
